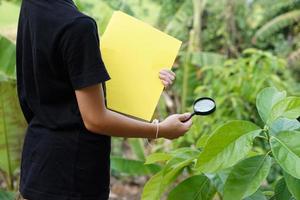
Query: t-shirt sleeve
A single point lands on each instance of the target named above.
(81, 54)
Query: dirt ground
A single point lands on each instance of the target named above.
(126, 190)
(120, 189)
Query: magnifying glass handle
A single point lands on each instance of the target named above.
(189, 117)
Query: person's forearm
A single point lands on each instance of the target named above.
(115, 124)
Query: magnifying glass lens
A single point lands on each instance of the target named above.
(204, 105)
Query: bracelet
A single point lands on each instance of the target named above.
(155, 121)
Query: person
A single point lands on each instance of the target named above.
(61, 88)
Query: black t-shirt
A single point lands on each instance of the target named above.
(58, 53)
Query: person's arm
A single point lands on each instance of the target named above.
(98, 119)
(79, 48)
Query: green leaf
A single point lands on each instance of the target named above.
(7, 58)
(137, 147)
(187, 152)
(6, 195)
(79, 4)
(153, 188)
(132, 167)
(219, 179)
(12, 128)
(258, 195)
(286, 150)
(180, 159)
(227, 145)
(266, 99)
(288, 108)
(293, 185)
(246, 177)
(196, 187)
(207, 59)
(278, 23)
(202, 141)
(178, 26)
(284, 124)
(9, 14)
(121, 6)
(167, 10)
(281, 191)
(157, 157)
(174, 158)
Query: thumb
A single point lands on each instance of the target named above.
(184, 116)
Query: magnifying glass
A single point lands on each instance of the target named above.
(203, 106)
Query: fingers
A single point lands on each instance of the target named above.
(165, 83)
(168, 73)
(188, 124)
(167, 77)
(165, 80)
(184, 116)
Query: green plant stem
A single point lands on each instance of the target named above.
(231, 32)
(10, 174)
(220, 196)
(194, 45)
(266, 132)
(265, 138)
(186, 69)
(197, 24)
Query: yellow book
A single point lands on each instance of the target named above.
(134, 53)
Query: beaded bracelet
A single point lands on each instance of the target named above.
(155, 121)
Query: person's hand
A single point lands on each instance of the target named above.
(173, 126)
(167, 77)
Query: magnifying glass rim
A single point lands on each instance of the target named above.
(208, 112)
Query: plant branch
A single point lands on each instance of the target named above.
(10, 174)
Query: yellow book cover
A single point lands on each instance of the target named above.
(134, 53)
